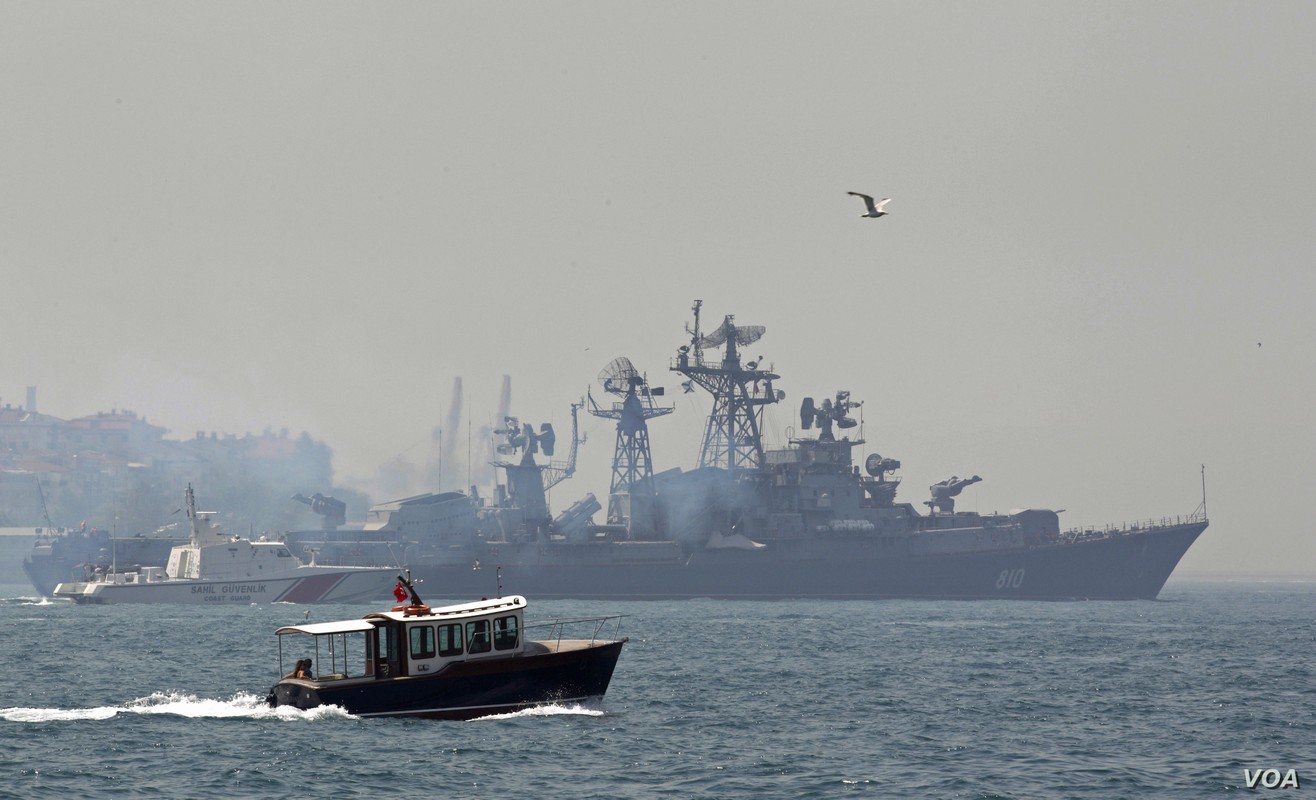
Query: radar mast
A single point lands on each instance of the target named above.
(631, 493)
(733, 437)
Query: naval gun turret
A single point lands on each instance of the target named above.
(520, 506)
(525, 480)
(943, 493)
(828, 413)
(333, 511)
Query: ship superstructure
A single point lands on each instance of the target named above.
(801, 520)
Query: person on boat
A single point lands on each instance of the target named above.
(301, 670)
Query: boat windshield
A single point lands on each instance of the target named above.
(336, 651)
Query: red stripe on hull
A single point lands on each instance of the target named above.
(310, 590)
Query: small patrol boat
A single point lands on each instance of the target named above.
(450, 662)
(214, 567)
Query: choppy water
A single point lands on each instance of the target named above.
(711, 699)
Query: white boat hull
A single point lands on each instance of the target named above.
(304, 585)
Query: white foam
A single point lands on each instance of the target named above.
(241, 705)
(31, 600)
(550, 710)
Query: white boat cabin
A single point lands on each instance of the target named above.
(410, 641)
(230, 559)
(214, 555)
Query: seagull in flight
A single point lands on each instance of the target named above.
(874, 209)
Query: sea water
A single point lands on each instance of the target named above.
(1189, 696)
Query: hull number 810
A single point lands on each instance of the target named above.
(1010, 579)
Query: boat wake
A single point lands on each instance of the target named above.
(550, 710)
(177, 704)
(29, 601)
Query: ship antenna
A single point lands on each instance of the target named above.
(498, 571)
(191, 514)
(411, 589)
(1203, 491)
(396, 560)
(696, 336)
(45, 513)
(864, 451)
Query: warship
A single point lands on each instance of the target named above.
(799, 521)
(72, 554)
(67, 554)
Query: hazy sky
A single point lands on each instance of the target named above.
(244, 216)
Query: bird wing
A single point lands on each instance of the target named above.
(882, 203)
(867, 200)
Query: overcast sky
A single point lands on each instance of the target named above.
(1096, 275)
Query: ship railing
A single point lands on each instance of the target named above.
(1090, 532)
(593, 629)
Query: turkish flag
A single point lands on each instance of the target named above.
(399, 592)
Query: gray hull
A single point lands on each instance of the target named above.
(1128, 566)
(71, 557)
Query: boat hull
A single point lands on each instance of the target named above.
(318, 585)
(1127, 566)
(469, 689)
(55, 560)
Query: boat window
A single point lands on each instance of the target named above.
(505, 632)
(422, 641)
(477, 636)
(339, 656)
(283, 553)
(450, 640)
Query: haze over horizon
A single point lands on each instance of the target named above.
(1095, 276)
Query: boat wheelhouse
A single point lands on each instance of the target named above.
(451, 662)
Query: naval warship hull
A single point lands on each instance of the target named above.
(1130, 566)
(56, 559)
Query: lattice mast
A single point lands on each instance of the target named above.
(733, 436)
(632, 461)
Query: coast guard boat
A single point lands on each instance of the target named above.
(451, 662)
(214, 567)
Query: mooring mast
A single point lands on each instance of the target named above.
(733, 436)
(630, 496)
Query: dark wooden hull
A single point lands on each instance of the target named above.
(467, 689)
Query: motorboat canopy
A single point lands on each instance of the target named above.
(325, 628)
